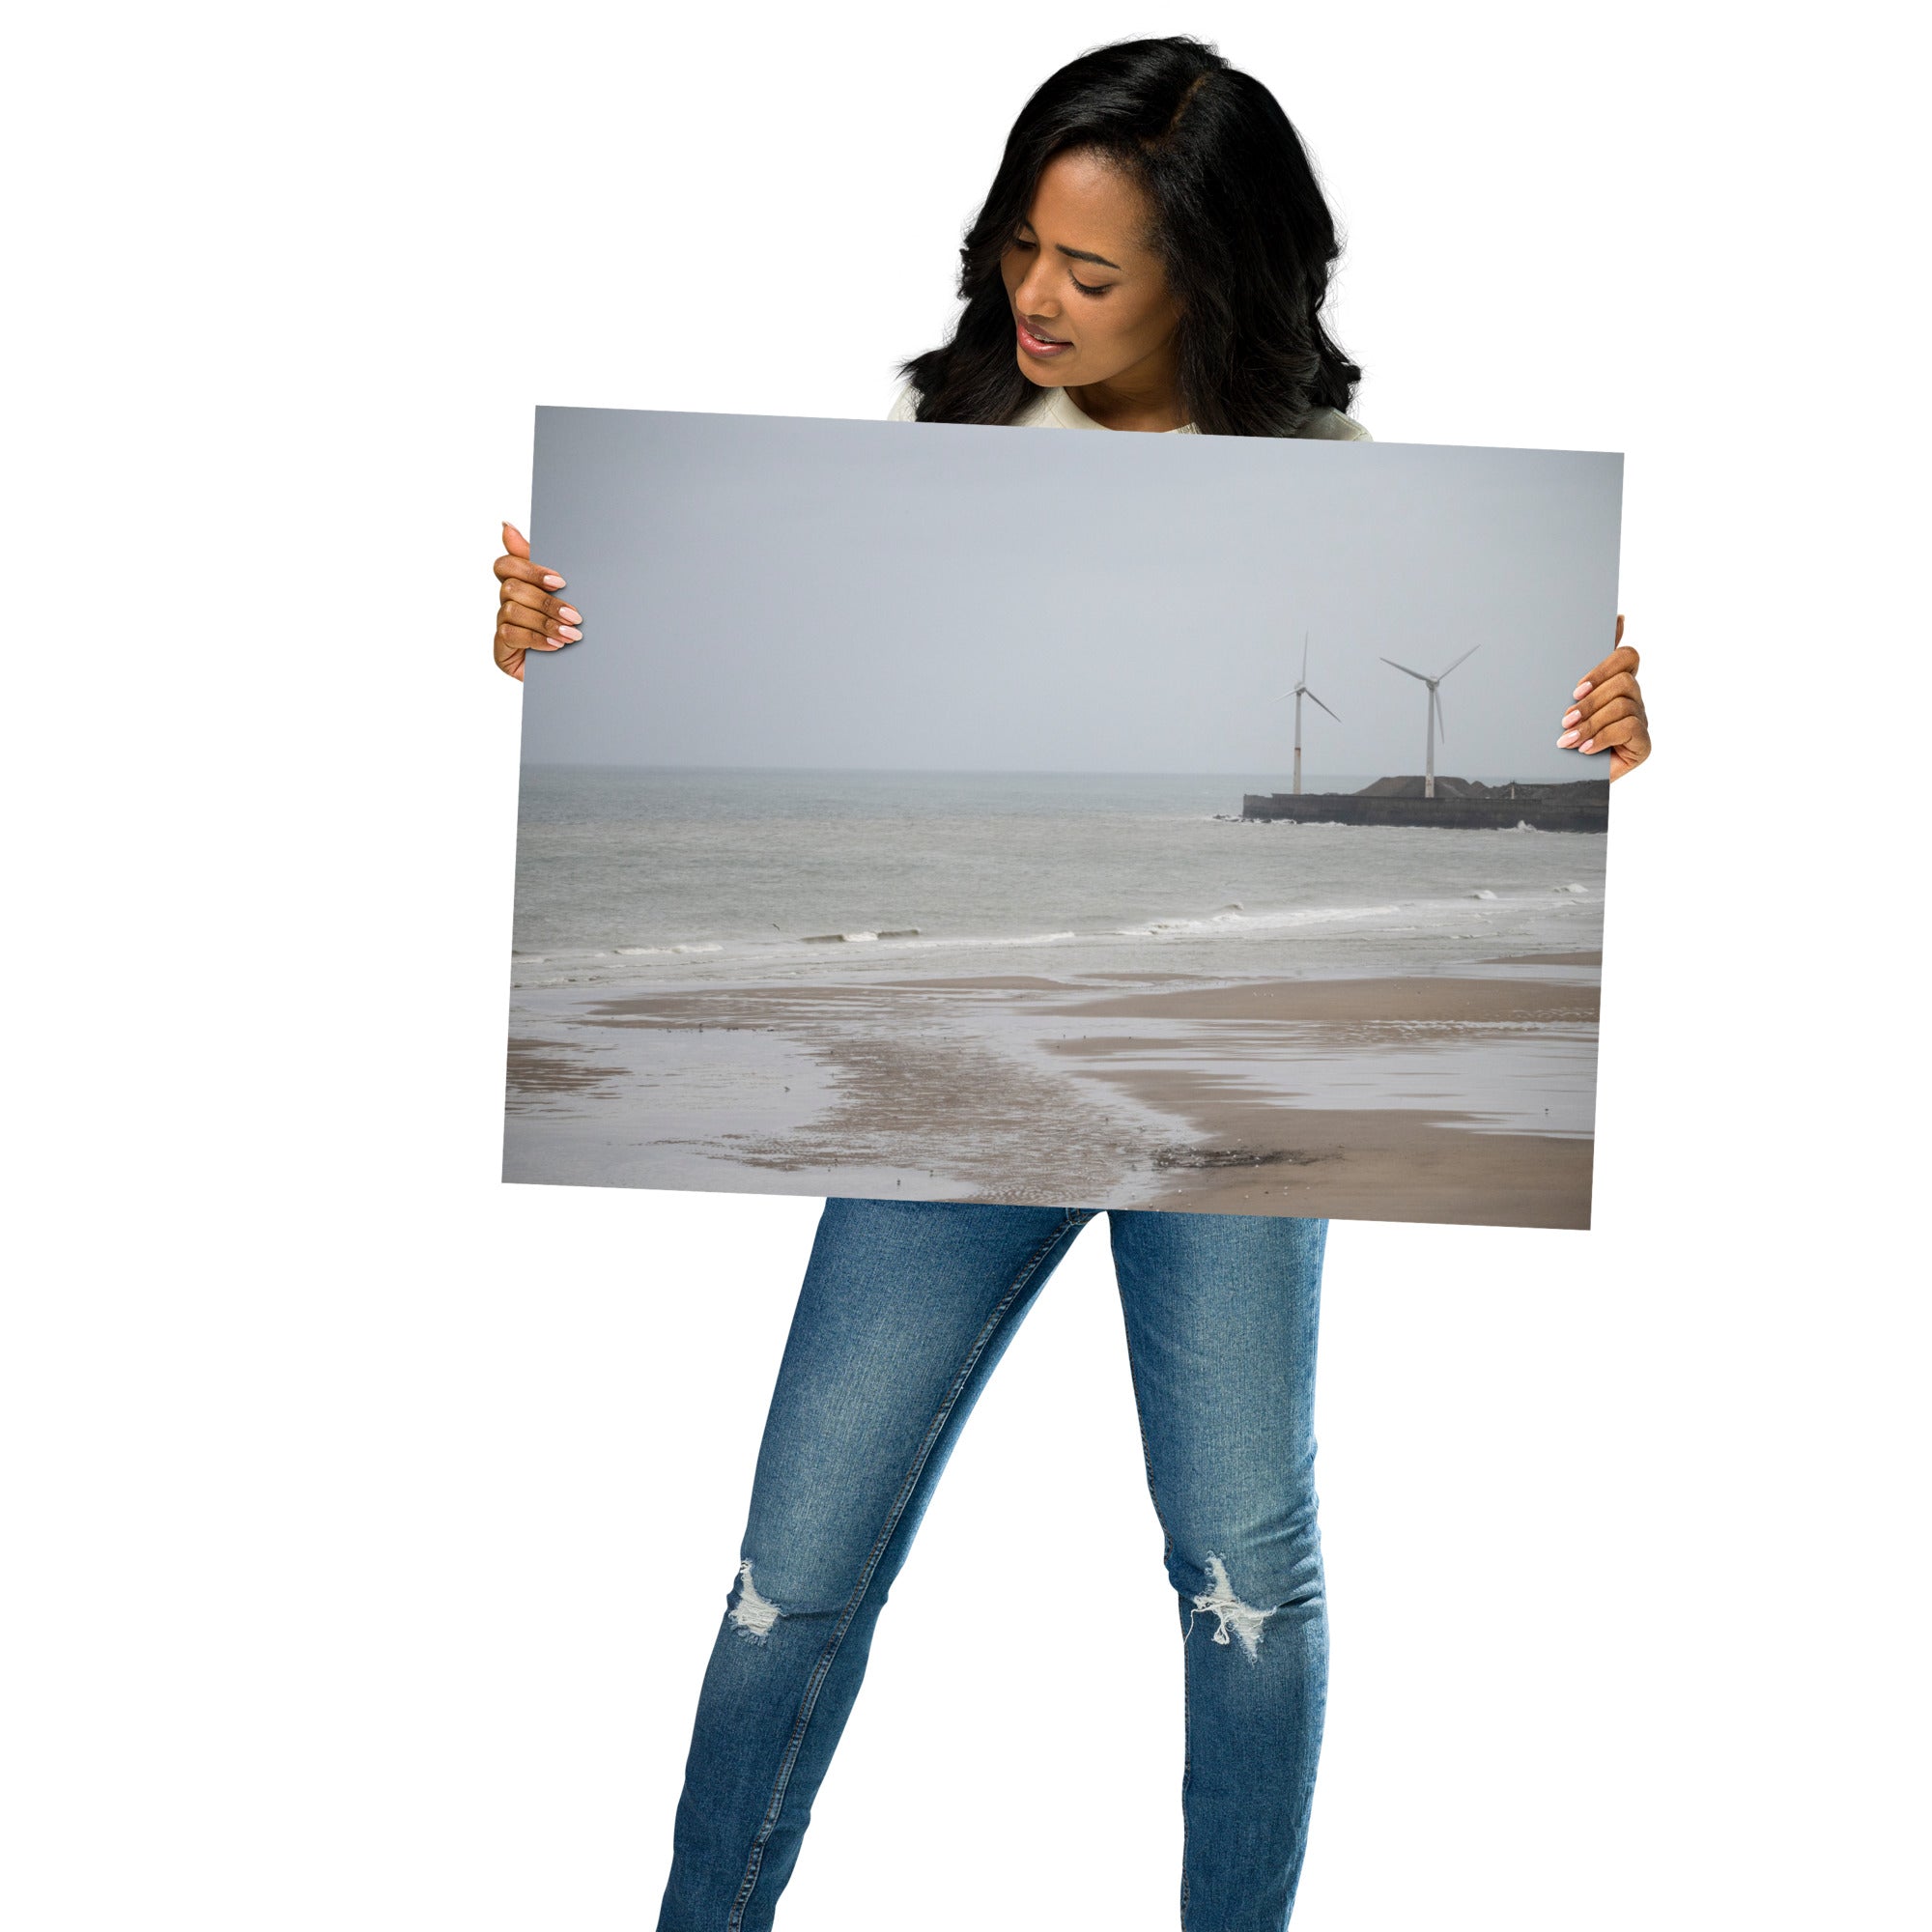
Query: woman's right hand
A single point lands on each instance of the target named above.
(528, 618)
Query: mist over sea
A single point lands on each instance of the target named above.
(695, 877)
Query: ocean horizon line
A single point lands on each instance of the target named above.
(1518, 775)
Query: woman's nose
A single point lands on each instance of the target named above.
(1034, 297)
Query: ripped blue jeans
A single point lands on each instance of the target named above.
(906, 1308)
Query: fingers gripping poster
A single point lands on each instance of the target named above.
(936, 811)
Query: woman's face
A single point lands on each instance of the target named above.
(1091, 301)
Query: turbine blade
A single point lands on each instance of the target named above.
(1304, 657)
(1412, 674)
(1441, 730)
(1466, 655)
(1312, 700)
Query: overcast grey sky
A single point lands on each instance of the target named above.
(797, 592)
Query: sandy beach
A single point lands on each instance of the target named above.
(1455, 1097)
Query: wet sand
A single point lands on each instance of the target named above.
(1257, 1155)
(1458, 1098)
(1361, 1003)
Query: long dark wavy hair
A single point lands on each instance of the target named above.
(1241, 229)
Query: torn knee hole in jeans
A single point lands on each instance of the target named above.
(753, 1615)
(1242, 1620)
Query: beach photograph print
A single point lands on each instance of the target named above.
(932, 811)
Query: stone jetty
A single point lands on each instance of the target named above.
(1582, 806)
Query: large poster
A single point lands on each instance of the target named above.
(1090, 820)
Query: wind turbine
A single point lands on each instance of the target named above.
(1435, 714)
(1301, 692)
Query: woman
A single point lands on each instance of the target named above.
(1154, 255)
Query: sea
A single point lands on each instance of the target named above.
(657, 878)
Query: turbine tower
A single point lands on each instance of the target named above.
(1301, 692)
(1435, 714)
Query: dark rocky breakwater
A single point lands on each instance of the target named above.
(1466, 804)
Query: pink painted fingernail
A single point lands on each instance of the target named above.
(1568, 738)
(571, 632)
(1581, 688)
(1571, 717)
(1588, 745)
(570, 617)
(552, 580)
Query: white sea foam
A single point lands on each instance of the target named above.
(983, 944)
(1258, 922)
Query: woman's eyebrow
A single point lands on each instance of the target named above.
(1079, 254)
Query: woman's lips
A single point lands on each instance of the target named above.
(1041, 346)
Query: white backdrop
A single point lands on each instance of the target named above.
(366, 1523)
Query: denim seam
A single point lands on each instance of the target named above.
(1166, 1539)
(809, 1704)
(1146, 1452)
(1186, 1773)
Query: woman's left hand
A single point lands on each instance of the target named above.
(1606, 712)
